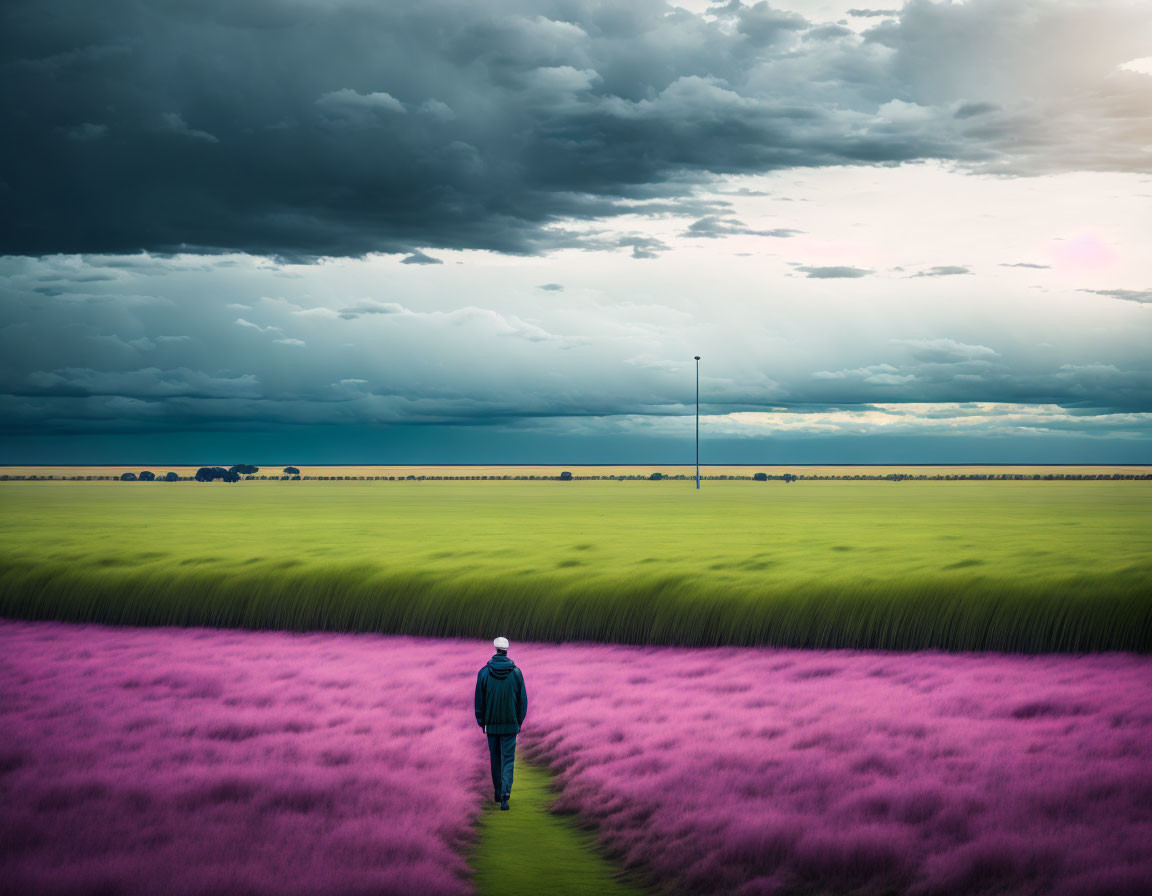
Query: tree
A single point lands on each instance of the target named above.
(209, 474)
(656, 476)
(244, 469)
(147, 475)
(761, 477)
(565, 476)
(789, 478)
(171, 477)
(291, 471)
(128, 477)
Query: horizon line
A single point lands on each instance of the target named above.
(610, 464)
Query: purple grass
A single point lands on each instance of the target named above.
(790, 771)
(190, 761)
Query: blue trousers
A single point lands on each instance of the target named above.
(502, 752)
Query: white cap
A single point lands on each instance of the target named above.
(500, 643)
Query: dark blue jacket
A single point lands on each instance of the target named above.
(501, 700)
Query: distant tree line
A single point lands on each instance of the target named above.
(204, 474)
(234, 474)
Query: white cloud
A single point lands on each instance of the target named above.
(1143, 65)
(992, 419)
(247, 323)
(946, 351)
(879, 374)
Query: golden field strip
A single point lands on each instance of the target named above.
(579, 470)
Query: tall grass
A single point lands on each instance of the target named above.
(753, 772)
(140, 762)
(1070, 614)
(1029, 567)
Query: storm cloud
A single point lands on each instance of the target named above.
(1128, 295)
(236, 342)
(509, 227)
(715, 227)
(301, 129)
(833, 272)
(944, 270)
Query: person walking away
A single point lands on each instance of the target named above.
(501, 705)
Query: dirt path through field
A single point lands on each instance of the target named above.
(528, 851)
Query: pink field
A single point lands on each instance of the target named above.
(180, 761)
(145, 761)
(790, 771)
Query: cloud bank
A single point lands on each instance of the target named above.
(520, 220)
(306, 129)
(135, 344)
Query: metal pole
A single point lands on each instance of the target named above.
(697, 422)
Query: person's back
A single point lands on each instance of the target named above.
(501, 705)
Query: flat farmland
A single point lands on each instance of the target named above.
(1029, 566)
(554, 470)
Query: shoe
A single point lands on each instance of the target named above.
(504, 804)
(499, 798)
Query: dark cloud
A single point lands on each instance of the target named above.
(1144, 296)
(944, 270)
(301, 129)
(642, 246)
(715, 227)
(759, 23)
(828, 32)
(551, 287)
(86, 131)
(1027, 264)
(147, 382)
(834, 272)
(174, 123)
(198, 345)
(420, 258)
(872, 13)
(971, 110)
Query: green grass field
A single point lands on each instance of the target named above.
(1030, 566)
(528, 851)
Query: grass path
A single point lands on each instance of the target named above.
(527, 851)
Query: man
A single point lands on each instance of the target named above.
(501, 704)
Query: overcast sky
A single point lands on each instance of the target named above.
(450, 231)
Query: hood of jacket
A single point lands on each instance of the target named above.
(500, 667)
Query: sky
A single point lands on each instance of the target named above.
(346, 231)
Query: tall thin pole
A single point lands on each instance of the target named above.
(697, 422)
